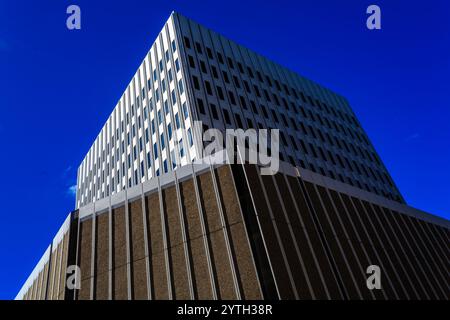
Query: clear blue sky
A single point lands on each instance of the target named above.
(59, 86)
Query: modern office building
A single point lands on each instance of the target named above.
(151, 223)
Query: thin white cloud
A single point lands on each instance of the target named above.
(72, 190)
(412, 137)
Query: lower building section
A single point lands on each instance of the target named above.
(228, 232)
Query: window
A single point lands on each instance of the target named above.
(220, 93)
(174, 47)
(243, 103)
(177, 65)
(186, 115)
(227, 116)
(187, 43)
(231, 95)
(214, 111)
(250, 72)
(159, 116)
(155, 151)
(209, 53)
(241, 69)
(198, 47)
(219, 57)
(230, 63)
(180, 86)
(191, 142)
(214, 72)
(177, 120)
(200, 105)
(181, 148)
(225, 77)
(163, 143)
(203, 66)
(169, 130)
(166, 107)
(196, 83)
(236, 82)
(191, 61)
(208, 88)
(238, 121)
(149, 160)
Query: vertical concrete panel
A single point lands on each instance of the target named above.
(159, 276)
(268, 233)
(208, 202)
(200, 274)
(221, 265)
(179, 273)
(62, 280)
(245, 265)
(139, 273)
(172, 214)
(190, 209)
(44, 281)
(102, 257)
(157, 261)
(240, 246)
(375, 248)
(227, 192)
(84, 258)
(120, 284)
(177, 259)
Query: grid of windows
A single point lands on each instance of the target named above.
(192, 73)
(234, 87)
(143, 137)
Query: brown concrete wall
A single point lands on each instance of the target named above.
(119, 251)
(232, 233)
(102, 256)
(338, 236)
(84, 258)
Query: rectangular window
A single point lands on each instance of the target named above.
(219, 56)
(177, 120)
(181, 148)
(208, 88)
(187, 43)
(155, 151)
(174, 97)
(191, 61)
(149, 160)
(163, 144)
(227, 116)
(196, 83)
(209, 53)
(198, 47)
(191, 142)
(203, 67)
(214, 111)
(180, 87)
(186, 115)
(169, 130)
(230, 63)
(200, 106)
